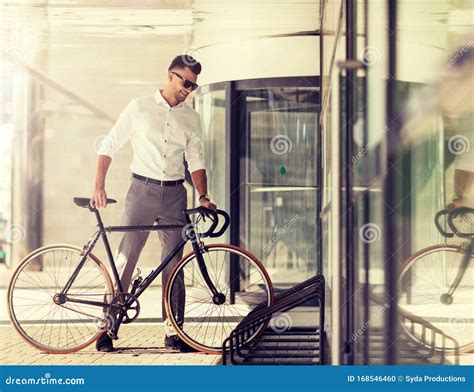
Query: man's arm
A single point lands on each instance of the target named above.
(99, 196)
(462, 180)
(194, 156)
(200, 182)
(117, 137)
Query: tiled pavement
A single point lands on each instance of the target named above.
(139, 344)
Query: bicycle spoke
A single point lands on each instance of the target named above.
(60, 327)
(213, 323)
(423, 284)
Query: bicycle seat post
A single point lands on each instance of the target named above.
(100, 224)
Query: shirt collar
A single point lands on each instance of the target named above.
(161, 100)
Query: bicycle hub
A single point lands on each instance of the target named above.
(218, 299)
(59, 299)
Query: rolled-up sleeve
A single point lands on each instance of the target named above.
(120, 132)
(193, 152)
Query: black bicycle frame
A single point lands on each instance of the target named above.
(468, 252)
(127, 302)
(466, 249)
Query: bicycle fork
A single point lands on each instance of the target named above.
(447, 298)
(217, 297)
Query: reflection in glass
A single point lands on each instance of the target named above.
(279, 197)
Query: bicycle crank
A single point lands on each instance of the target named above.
(131, 313)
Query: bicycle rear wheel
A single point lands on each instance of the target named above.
(423, 284)
(237, 274)
(42, 322)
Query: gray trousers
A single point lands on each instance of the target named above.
(146, 203)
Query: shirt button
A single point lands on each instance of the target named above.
(165, 141)
(168, 124)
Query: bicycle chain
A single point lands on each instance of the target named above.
(83, 313)
(87, 314)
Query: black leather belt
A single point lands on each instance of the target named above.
(157, 182)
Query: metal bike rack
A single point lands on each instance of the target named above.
(307, 342)
(429, 334)
(412, 352)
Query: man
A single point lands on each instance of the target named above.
(161, 129)
(462, 146)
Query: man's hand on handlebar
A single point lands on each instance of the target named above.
(208, 204)
(453, 205)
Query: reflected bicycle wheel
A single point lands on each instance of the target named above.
(424, 281)
(237, 275)
(39, 318)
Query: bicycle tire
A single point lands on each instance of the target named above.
(427, 306)
(235, 312)
(37, 298)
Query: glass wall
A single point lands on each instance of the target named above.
(261, 157)
(211, 107)
(278, 170)
(397, 134)
(435, 100)
(369, 333)
(333, 46)
(6, 146)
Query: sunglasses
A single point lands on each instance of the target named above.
(187, 83)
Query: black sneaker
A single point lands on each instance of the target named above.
(104, 343)
(175, 343)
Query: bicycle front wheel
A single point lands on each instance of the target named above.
(42, 320)
(423, 288)
(239, 278)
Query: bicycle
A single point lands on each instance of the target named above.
(61, 297)
(437, 284)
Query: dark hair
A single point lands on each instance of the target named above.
(185, 60)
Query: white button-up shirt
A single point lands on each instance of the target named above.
(160, 135)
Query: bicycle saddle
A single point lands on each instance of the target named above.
(85, 201)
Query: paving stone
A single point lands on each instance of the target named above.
(139, 344)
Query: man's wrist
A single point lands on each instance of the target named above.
(204, 196)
